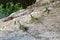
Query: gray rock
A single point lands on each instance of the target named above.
(44, 26)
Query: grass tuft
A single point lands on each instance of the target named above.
(47, 10)
(22, 27)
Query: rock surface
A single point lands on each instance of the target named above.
(45, 27)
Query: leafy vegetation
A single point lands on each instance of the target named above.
(24, 3)
(10, 8)
(1, 9)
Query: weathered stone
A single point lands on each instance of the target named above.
(47, 27)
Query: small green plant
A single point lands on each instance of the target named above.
(47, 10)
(2, 13)
(10, 8)
(22, 27)
(17, 7)
(1, 9)
(33, 19)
